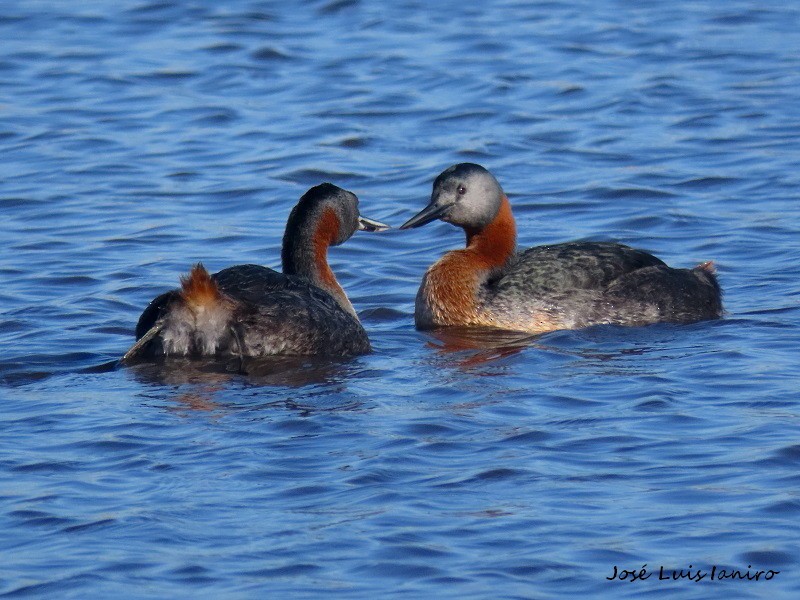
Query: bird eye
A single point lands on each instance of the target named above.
(462, 190)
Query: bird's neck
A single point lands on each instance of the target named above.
(450, 292)
(305, 254)
(492, 246)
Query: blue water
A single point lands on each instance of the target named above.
(138, 137)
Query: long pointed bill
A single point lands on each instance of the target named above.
(428, 214)
(365, 224)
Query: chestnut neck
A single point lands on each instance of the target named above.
(451, 289)
(496, 242)
(305, 254)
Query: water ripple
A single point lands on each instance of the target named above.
(140, 137)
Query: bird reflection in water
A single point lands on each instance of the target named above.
(466, 347)
(206, 378)
(491, 344)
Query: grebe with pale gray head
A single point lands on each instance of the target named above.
(254, 311)
(544, 288)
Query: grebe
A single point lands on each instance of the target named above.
(545, 288)
(252, 311)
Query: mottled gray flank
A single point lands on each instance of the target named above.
(589, 283)
(282, 314)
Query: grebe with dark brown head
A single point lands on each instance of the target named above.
(253, 311)
(545, 288)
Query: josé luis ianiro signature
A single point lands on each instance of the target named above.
(692, 574)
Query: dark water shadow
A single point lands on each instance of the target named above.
(278, 371)
(462, 347)
(289, 382)
(488, 344)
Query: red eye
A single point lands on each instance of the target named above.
(462, 190)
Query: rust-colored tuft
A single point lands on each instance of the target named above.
(708, 267)
(198, 289)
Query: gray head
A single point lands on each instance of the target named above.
(465, 194)
(326, 214)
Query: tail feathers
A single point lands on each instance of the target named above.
(707, 272)
(199, 290)
(708, 266)
(193, 320)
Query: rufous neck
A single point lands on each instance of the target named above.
(495, 243)
(450, 292)
(305, 253)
